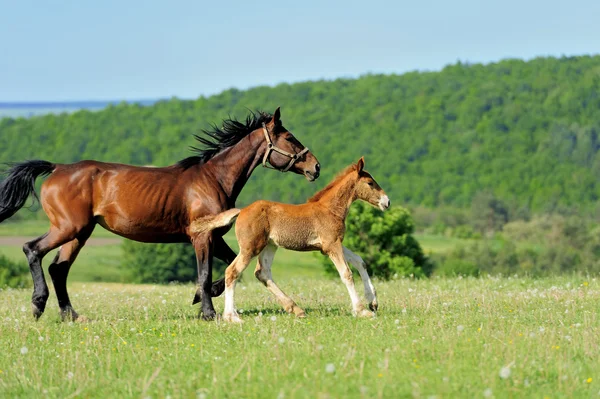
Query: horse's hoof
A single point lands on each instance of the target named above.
(373, 306)
(209, 316)
(37, 312)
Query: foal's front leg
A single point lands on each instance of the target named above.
(356, 261)
(336, 255)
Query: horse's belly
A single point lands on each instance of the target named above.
(143, 232)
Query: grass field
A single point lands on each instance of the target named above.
(443, 338)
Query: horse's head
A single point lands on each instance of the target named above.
(368, 190)
(285, 153)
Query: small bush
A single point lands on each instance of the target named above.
(13, 274)
(163, 263)
(385, 242)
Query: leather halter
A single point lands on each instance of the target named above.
(271, 147)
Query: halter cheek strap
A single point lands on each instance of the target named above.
(271, 147)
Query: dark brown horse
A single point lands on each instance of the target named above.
(150, 204)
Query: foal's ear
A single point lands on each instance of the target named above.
(277, 115)
(360, 164)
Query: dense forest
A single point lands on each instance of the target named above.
(524, 132)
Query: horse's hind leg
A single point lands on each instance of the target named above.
(263, 274)
(356, 261)
(35, 251)
(59, 270)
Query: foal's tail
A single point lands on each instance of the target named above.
(209, 223)
(19, 184)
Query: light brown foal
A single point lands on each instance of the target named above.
(317, 225)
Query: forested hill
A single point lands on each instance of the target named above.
(525, 131)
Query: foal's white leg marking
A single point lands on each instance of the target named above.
(263, 274)
(229, 313)
(337, 257)
(356, 261)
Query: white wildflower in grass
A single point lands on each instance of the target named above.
(319, 347)
(504, 372)
(273, 318)
(397, 321)
(403, 310)
(330, 368)
(164, 301)
(23, 309)
(70, 375)
(24, 350)
(542, 329)
(488, 393)
(281, 340)
(240, 311)
(460, 328)
(40, 338)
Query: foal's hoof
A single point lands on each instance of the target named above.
(365, 313)
(232, 318)
(299, 312)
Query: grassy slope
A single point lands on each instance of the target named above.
(452, 341)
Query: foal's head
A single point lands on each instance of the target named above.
(285, 152)
(368, 190)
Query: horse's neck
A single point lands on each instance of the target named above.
(233, 167)
(339, 199)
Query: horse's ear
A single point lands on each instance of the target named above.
(360, 164)
(276, 115)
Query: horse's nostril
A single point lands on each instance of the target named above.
(317, 168)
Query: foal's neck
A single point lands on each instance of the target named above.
(233, 167)
(339, 198)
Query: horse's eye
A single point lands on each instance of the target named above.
(370, 183)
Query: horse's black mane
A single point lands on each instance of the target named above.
(216, 140)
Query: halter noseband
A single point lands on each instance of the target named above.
(271, 147)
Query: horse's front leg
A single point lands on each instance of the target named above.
(203, 246)
(370, 293)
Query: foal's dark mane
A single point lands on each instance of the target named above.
(217, 139)
(333, 183)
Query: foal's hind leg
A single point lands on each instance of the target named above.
(263, 274)
(59, 270)
(35, 251)
(232, 273)
(356, 261)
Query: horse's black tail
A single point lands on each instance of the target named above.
(19, 183)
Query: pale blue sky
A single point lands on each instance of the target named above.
(144, 49)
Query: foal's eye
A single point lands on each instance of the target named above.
(370, 183)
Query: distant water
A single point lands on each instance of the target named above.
(26, 110)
